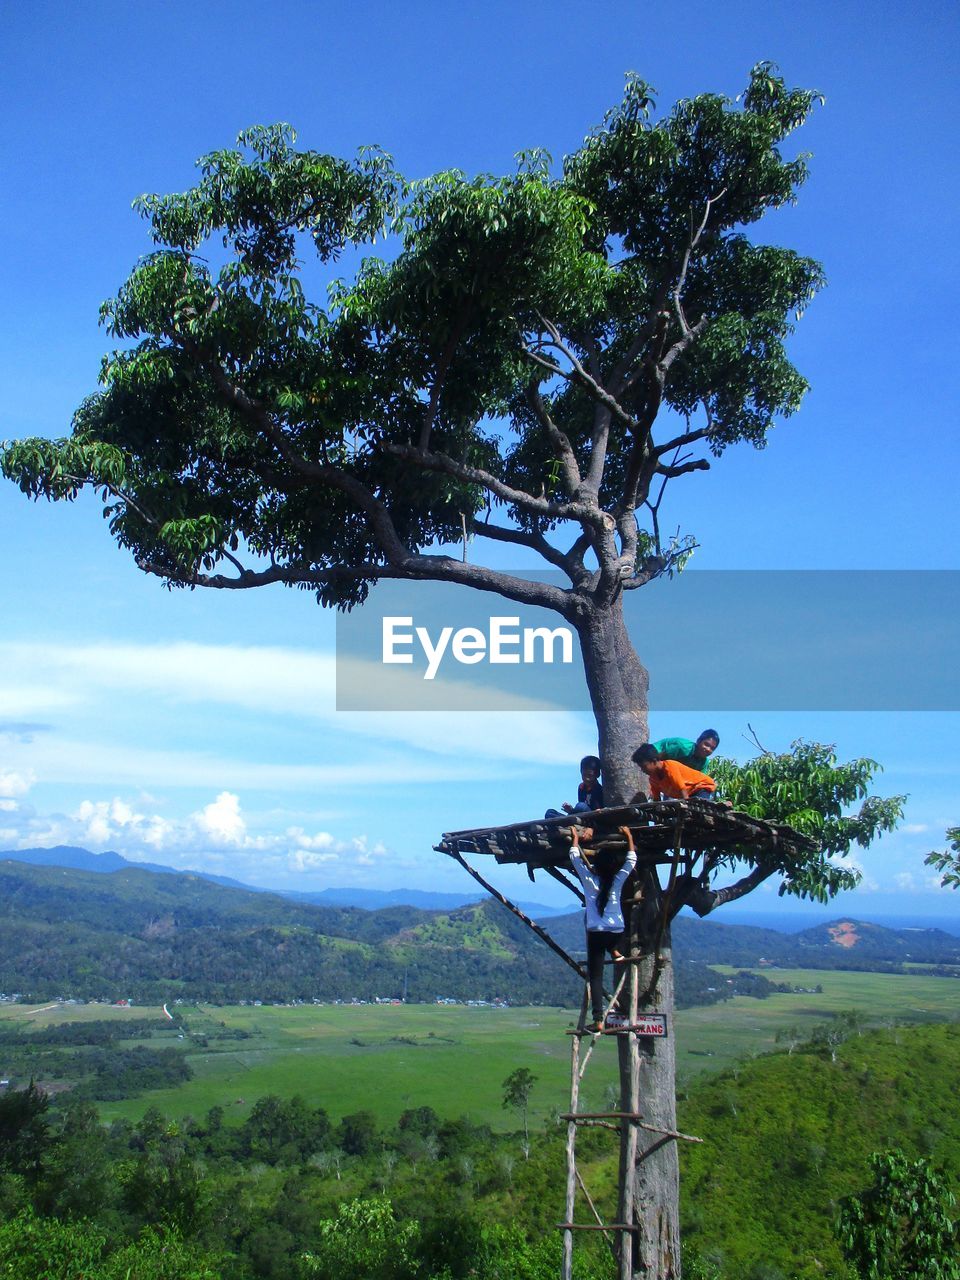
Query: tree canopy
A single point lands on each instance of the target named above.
(809, 789)
(948, 861)
(511, 351)
(900, 1227)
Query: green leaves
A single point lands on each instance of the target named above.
(949, 862)
(900, 1228)
(523, 328)
(809, 789)
(259, 196)
(194, 541)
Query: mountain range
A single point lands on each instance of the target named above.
(154, 935)
(63, 855)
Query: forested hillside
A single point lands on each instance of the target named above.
(787, 1136)
(436, 1196)
(843, 944)
(137, 935)
(147, 937)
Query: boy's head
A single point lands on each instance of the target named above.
(647, 757)
(706, 744)
(590, 768)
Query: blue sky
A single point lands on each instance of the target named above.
(201, 731)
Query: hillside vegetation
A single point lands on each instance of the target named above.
(788, 1135)
(150, 937)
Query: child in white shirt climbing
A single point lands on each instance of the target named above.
(602, 875)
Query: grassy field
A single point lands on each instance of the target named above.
(712, 1037)
(388, 1058)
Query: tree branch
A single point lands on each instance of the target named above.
(535, 541)
(419, 567)
(698, 464)
(651, 567)
(685, 264)
(579, 374)
(568, 459)
(703, 900)
(586, 513)
(378, 515)
(678, 442)
(681, 345)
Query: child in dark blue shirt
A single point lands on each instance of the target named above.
(589, 792)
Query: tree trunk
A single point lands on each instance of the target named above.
(657, 1179)
(618, 685)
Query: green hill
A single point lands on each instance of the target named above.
(842, 944)
(787, 1136)
(149, 937)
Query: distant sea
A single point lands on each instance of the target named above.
(787, 921)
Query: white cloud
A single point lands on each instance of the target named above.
(13, 784)
(322, 840)
(283, 682)
(905, 881)
(25, 700)
(915, 828)
(219, 836)
(302, 860)
(221, 821)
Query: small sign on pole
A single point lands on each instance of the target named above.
(651, 1024)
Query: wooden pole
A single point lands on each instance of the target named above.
(567, 1269)
(628, 1055)
(531, 924)
(607, 1235)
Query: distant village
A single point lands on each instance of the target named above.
(17, 997)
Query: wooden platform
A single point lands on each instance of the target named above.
(655, 825)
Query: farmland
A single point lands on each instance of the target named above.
(388, 1058)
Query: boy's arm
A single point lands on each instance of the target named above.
(630, 861)
(576, 857)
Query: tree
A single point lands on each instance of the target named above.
(539, 358)
(32, 1246)
(24, 1131)
(516, 1094)
(365, 1239)
(948, 862)
(280, 1131)
(358, 1133)
(899, 1228)
(810, 790)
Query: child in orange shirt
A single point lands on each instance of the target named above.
(672, 780)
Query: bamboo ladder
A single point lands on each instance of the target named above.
(621, 1235)
(663, 830)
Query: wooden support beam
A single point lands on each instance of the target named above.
(635, 1029)
(635, 1117)
(593, 1226)
(608, 1234)
(571, 1148)
(531, 924)
(669, 1135)
(567, 884)
(603, 1115)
